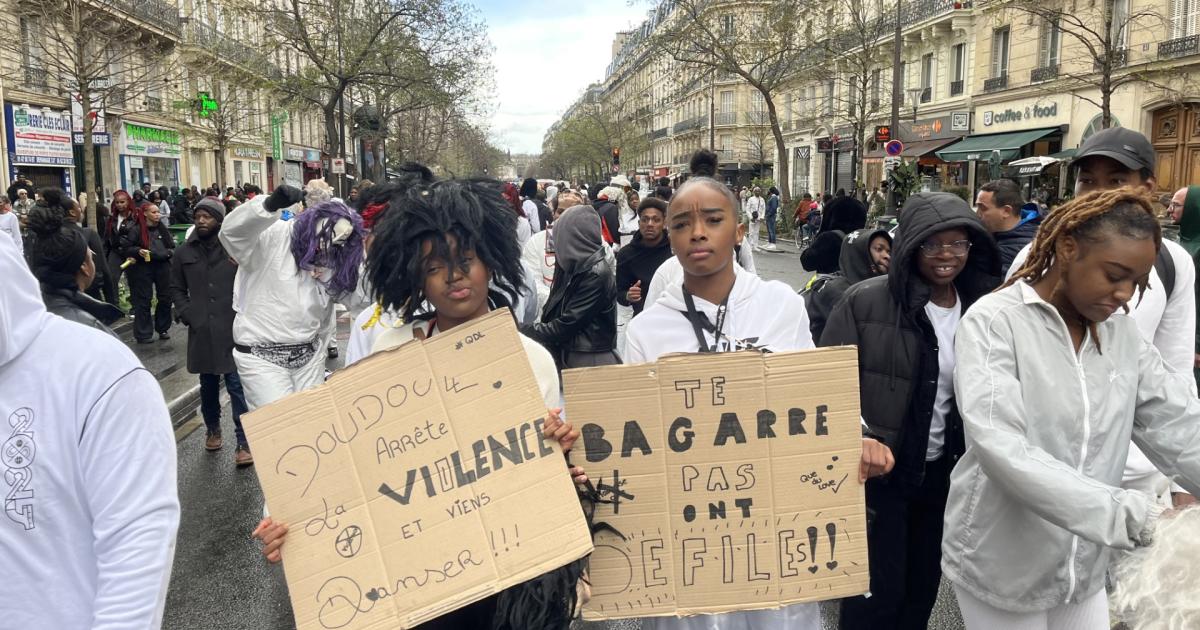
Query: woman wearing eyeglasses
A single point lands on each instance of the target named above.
(903, 324)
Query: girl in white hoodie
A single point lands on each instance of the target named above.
(718, 307)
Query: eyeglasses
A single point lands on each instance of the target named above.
(958, 249)
(1175, 204)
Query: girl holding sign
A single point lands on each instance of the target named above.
(718, 307)
(446, 245)
(1053, 379)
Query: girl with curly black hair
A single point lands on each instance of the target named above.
(442, 256)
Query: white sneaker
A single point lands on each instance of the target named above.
(771, 246)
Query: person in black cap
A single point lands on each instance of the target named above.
(903, 323)
(202, 290)
(1166, 312)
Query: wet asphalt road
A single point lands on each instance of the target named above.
(220, 580)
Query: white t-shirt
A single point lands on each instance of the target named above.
(945, 323)
(531, 214)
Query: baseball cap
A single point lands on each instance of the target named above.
(1130, 148)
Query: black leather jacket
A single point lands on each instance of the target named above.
(581, 313)
(81, 308)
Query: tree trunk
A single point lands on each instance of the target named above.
(331, 133)
(89, 158)
(781, 160)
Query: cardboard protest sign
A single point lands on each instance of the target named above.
(733, 479)
(417, 481)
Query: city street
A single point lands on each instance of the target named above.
(220, 580)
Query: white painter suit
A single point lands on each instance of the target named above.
(87, 534)
(277, 304)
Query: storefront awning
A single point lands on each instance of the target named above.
(1009, 145)
(916, 149)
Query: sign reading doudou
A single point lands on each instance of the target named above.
(729, 481)
(417, 481)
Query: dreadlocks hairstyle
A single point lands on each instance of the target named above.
(1125, 211)
(473, 212)
(316, 243)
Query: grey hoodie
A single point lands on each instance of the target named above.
(1035, 503)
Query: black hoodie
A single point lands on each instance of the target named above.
(897, 346)
(638, 261)
(854, 266)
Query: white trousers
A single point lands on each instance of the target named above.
(1089, 614)
(264, 382)
(752, 235)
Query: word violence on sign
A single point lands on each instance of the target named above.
(729, 481)
(417, 481)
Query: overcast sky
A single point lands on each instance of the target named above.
(547, 52)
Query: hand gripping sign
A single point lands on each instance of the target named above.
(417, 481)
(731, 481)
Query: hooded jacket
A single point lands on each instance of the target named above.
(1035, 503)
(1189, 223)
(759, 314)
(854, 266)
(897, 346)
(637, 262)
(1012, 241)
(91, 509)
(845, 214)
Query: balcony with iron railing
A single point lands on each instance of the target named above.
(926, 95)
(725, 155)
(956, 87)
(758, 118)
(996, 83)
(212, 41)
(785, 125)
(1179, 47)
(154, 103)
(35, 76)
(912, 14)
(162, 15)
(1044, 73)
(726, 118)
(659, 133)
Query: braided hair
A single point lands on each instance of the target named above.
(1125, 211)
(472, 211)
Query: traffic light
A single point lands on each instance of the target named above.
(616, 156)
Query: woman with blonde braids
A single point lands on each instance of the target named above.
(1052, 381)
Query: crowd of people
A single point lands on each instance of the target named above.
(1029, 411)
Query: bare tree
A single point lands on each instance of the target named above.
(1100, 37)
(100, 51)
(762, 43)
(231, 117)
(584, 142)
(852, 74)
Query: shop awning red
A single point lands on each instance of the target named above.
(916, 149)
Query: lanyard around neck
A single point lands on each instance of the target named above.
(700, 323)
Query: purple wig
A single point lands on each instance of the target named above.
(313, 245)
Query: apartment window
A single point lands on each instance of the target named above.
(927, 78)
(1184, 18)
(830, 87)
(727, 25)
(727, 102)
(1000, 52)
(726, 144)
(960, 69)
(31, 37)
(876, 79)
(788, 107)
(852, 96)
(1120, 29)
(903, 75)
(1049, 44)
(757, 104)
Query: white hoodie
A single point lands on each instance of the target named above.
(88, 460)
(762, 314)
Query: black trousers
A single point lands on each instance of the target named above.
(904, 545)
(145, 281)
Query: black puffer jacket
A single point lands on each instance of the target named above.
(581, 313)
(80, 308)
(897, 346)
(1011, 242)
(854, 266)
(637, 262)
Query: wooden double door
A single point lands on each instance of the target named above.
(1176, 139)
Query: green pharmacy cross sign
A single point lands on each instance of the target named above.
(204, 104)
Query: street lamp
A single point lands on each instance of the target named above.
(914, 94)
